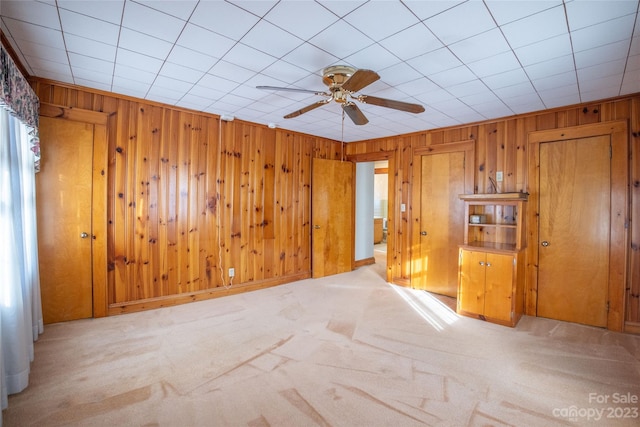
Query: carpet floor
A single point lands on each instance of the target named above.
(346, 350)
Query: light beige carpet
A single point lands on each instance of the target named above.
(347, 350)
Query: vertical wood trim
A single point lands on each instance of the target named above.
(99, 220)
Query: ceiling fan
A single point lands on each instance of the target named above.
(343, 82)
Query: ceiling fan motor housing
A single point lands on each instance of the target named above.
(336, 75)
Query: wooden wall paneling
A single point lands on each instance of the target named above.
(139, 204)
(632, 296)
(244, 272)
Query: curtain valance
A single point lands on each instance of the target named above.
(17, 96)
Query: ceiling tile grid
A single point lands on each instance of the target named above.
(463, 61)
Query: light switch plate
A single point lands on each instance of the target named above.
(499, 176)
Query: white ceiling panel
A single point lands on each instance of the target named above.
(462, 60)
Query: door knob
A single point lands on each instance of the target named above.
(545, 243)
(84, 235)
(317, 227)
(423, 233)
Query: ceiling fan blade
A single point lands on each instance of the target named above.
(307, 108)
(355, 114)
(359, 80)
(389, 103)
(293, 89)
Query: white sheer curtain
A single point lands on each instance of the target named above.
(20, 306)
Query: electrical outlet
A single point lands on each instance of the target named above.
(232, 272)
(499, 176)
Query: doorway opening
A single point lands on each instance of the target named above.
(380, 213)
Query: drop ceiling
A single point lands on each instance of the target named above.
(464, 61)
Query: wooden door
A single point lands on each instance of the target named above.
(499, 290)
(574, 230)
(472, 281)
(441, 222)
(332, 188)
(64, 201)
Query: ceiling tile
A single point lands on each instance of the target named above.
(341, 8)
(41, 14)
(374, 57)
(144, 44)
(599, 55)
(508, 11)
(427, 9)
(485, 45)
(603, 34)
(89, 63)
(582, 13)
(508, 78)
(550, 68)
(470, 88)
(34, 33)
(284, 72)
(545, 50)
(49, 53)
(463, 21)
(249, 58)
(497, 64)
(205, 41)
(435, 62)
(224, 18)
(414, 41)
(88, 47)
(88, 27)
(110, 11)
(89, 75)
(138, 60)
(535, 28)
(310, 57)
(149, 21)
(133, 74)
(180, 9)
(231, 71)
(341, 40)
(398, 74)
(196, 60)
(256, 7)
(452, 77)
(218, 83)
(180, 73)
(171, 83)
(555, 81)
(286, 15)
(270, 39)
(602, 70)
(371, 19)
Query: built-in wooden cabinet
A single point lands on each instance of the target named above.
(491, 258)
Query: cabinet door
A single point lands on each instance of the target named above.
(471, 287)
(499, 286)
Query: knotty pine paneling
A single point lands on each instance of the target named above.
(190, 196)
(501, 145)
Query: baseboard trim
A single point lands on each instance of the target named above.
(363, 262)
(171, 300)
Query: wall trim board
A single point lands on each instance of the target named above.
(364, 261)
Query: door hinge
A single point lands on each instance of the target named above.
(610, 152)
(607, 307)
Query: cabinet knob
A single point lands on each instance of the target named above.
(481, 262)
(545, 243)
(423, 233)
(84, 235)
(488, 264)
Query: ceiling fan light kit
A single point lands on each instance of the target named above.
(343, 81)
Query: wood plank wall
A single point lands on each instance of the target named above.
(190, 196)
(500, 146)
(172, 171)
